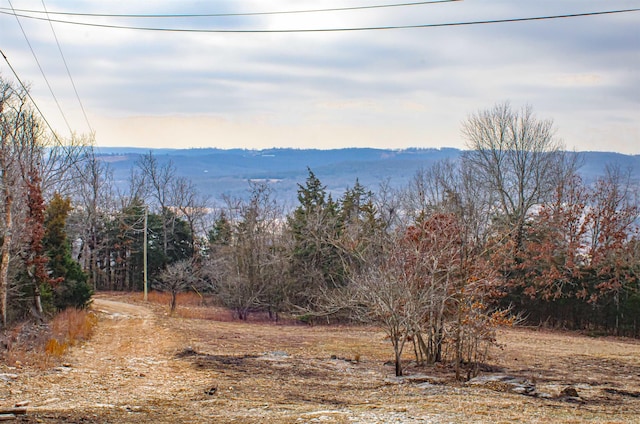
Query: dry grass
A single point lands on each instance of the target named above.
(68, 328)
(343, 369)
(74, 325)
(189, 298)
(204, 313)
(146, 366)
(192, 305)
(42, 346)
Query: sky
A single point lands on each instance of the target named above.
(391, 88)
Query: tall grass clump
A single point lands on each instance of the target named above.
(68, 328)
(41, 345)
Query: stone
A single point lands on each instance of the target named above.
(569, 392)
(505, 383)
(8, 377)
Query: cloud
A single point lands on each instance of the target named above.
(401, 87)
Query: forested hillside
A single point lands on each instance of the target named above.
(217, 172)
(509, 230)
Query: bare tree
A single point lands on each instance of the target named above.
(158, 180)
(27, 155)
(387, 204)
(517, 158)
(431, 284)
(408, 288)
(21, 153)
(249, 266)
(176, 278)
(61, 162)
(471, 317)
(95, 196)
(192, 206)
(386, 299)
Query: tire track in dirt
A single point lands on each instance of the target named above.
(125, 373)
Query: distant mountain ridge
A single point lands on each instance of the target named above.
(218, 172)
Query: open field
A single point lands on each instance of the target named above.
(144, 366)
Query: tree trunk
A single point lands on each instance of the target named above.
(37, 299)
(174, 296)
(5, 254)
(398, 353)
(458, 345)
(439, 337)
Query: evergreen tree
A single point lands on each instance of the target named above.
(127, 248)
(359, 223)
(180, 240)
(72, 288)
(316, 263)
(221, 232)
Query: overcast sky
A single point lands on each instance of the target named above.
(391, 88)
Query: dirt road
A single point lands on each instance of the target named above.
(124, 371)
(142, 366)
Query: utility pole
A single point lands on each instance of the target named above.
(144, 255)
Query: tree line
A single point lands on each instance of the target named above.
(508, 232)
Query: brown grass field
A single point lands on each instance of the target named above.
(201, 366)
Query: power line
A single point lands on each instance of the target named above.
(211, 15)
(349, 29)
(24, 87)
(64, 60)
(64, 147)
(41, 71)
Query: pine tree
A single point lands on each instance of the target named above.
(359, 224)
(316, 262)
(221, 232)
(72, 288)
